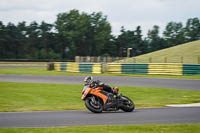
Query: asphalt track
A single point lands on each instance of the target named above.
(72, 118)
(20, 66)
(113, 80)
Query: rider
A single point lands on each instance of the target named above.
(107, 90)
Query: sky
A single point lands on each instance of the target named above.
(127, 13)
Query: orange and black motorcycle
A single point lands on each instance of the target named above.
(97, 101)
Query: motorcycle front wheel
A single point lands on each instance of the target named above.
(128, 105)
(93, 105)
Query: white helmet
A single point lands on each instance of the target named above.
(88, 80)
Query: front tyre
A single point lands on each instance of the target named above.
(93, 105)
(128, 105)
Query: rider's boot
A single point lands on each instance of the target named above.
(110, 98)
(116, 91)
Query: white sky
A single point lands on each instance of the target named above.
(127, 13)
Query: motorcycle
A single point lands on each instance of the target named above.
(97, 102)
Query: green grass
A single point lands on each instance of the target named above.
(39, 97)
(150, 128)
(187, 53)
(43, 71)
(33, 97)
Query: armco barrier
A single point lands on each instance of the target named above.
(72, 67)
(151, 68)
(85, 68)
(135, 68)
(127, 68)
(78, 67)
(114, 68)
(191, 69)
(57, 66)
(97, 68)
(165, 69)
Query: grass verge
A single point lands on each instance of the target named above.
(39, 97)
(43, 71)
(151, 128)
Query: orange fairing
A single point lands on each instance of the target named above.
(100, 88)
(85, 93)
(97, 92)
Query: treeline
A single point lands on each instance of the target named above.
(81, 34)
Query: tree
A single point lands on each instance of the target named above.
(192, 29)
(12, 42)
(83, 34)
(100, 33)
(110, 48)
(140, 47)
(174, 34)
(33, 43)
(2, 40)
(154, 41)
(22, 40)
(130, 39)
(81, 31)
(47, 42)
(67, 25)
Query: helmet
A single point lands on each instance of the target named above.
(88, 80)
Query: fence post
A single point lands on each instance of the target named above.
(92, 59)
(77, 58)
(198, 59)
(88, 59)
(109, 59)
(150, 59)
(182, 59)
(165, 60)
(99, 59)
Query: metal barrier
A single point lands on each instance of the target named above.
(165, 69)
(129, 68)
(191, 69)
(135, 68)
(78, 67)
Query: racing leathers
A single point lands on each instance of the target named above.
(107, 90)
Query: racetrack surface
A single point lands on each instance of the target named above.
(112, 80)
(19, 66)
(72, 118)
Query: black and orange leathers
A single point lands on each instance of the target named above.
(98, 83)
(95, 91)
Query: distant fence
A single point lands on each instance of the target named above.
(176, 59)
(129, 68)
(162, 59)
(95, 59)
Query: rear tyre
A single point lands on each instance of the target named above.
(93, 105)
(128, 105)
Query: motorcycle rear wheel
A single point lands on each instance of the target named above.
(128, 105)
(93, 106)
